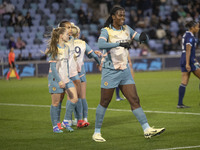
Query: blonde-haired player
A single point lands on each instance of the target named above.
(81, 48)
(73, 73)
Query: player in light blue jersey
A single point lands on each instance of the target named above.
(114, 40)
(188, 62)
(73, 73)
(58, 78)
(82, 49)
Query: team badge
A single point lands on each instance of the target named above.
(106, 83)
(53, 88)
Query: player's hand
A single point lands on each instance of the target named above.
(143, 37)
(61, 84)
(98, 53)
(188, 68)
(125, 45)
(99, 67)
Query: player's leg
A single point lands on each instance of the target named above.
(197, 73)
(59, 110)
(54, 112)
(106, 97)
(130, 93)
(70, 104)
(84, 103)
(118, 98)
(78, 108)
(184, 81)
(8, 74)
(17, 75)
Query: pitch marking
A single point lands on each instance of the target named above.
(110, 109)
(188, 147)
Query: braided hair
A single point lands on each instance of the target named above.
(112, 12)
(191, 24)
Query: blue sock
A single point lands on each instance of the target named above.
(181, 94)
(117, 92)
(79, 110)
(69, 109)
(85, 108)
(100, 112)
(141, 117)
(59, 110)
(54, 115)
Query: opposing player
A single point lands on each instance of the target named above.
(73, 73)
(189, 62)
(82, 48)
(11, 60)
(58, 78)
(113, 40)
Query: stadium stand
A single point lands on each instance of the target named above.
(162, 20)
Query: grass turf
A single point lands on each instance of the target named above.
(28, 127)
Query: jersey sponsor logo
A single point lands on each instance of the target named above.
(190, 39)
(106, 83)
(54, 88)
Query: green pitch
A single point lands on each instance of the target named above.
(25, 116)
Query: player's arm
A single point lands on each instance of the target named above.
(103, 41)
(90, 54)
(188, 53)
(139, 37)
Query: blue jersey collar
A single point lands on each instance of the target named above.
(190, 33)
(112, 27)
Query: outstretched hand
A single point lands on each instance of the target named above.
(125, 45)
(143, 37)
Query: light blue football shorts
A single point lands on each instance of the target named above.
(55, 88)
(75, 78)
(112, 78)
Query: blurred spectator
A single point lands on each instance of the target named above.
(20, 58)
(13, 20)
(2, 9)
(160, 32)
(144, 50)
(30, 56)
(20, 44)
(37, 41)
(84, 38)
(20, 19)
(11, 43)
(9, 8)
(81, 16)
(103, 9)
(174, 14)
(167, 46)
(28, 19)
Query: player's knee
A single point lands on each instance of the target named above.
(74, 100)
(56, 103)
(184, 84)
(105, 103)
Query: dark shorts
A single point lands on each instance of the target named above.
(13, 65)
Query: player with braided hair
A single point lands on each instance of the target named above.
(114, 40)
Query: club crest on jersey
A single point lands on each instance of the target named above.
(106, 83)
(54, 88)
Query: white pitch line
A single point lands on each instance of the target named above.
(188, 147)
(110, 109)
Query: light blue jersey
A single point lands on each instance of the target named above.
(59, 70)
(115, 56)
